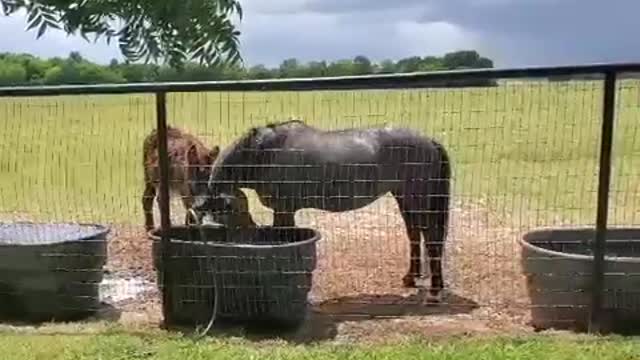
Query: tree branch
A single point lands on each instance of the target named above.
(175, 31)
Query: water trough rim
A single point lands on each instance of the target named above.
(622, 259)
(316, 237)
(101, 230)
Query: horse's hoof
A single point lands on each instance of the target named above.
(433, 297)
(409, 281)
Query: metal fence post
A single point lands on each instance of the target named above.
(604, 180)
(165, 216)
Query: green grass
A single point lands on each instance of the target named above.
(528, 150)
(122, 346)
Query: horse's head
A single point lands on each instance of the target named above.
(199, 161)
(239, 162)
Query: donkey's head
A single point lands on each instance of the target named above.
(199, 162)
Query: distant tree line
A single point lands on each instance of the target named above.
(25, 69)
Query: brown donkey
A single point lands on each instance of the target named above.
(189, 169)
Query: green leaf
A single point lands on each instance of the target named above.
(84, 36)
(36, 22)
(171, 29)
(41, 30)
(53, 24)
(34, 15)
(9, 7)
(239, 11)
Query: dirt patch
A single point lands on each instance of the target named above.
(362, 257)
(365, 253)
(484, 263)
(129, 252)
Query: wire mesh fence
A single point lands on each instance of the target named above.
(524, 156)
(71, 160)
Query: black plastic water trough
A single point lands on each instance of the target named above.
(50, 271)
(261, 276)
(558, 265)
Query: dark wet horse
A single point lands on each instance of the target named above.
(292, 166)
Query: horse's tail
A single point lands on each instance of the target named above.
(440, 189)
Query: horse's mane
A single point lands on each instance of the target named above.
(249, 135)
(229, 149)
(273, 125)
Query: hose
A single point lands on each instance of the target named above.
(214, 312)
(315, 237)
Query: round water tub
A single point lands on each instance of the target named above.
(50, 271)
(558, 264)
(261, 276)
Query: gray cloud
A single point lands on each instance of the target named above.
(512, 32)
(356, 7)
(549, 31)
(330, 29)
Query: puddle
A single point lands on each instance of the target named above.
(114, 289)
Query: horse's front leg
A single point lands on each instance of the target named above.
(283, 215)
(147, 204)
(285, 219)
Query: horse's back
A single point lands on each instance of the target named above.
(355, 146)
(333, 147)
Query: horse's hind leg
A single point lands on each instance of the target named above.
(409, 280)
(414, 234)
(430, 223)
(435, 234)
(147, 204)
(437, 220)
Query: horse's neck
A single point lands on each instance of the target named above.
(229, 169)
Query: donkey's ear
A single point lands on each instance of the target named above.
(192, 155)
(214, 152)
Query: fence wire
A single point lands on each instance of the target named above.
(523, 155)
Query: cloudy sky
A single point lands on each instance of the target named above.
(512, 32)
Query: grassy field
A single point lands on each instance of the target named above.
(529, 150)
(121, 346)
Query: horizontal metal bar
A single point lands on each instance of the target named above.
(377, 81)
